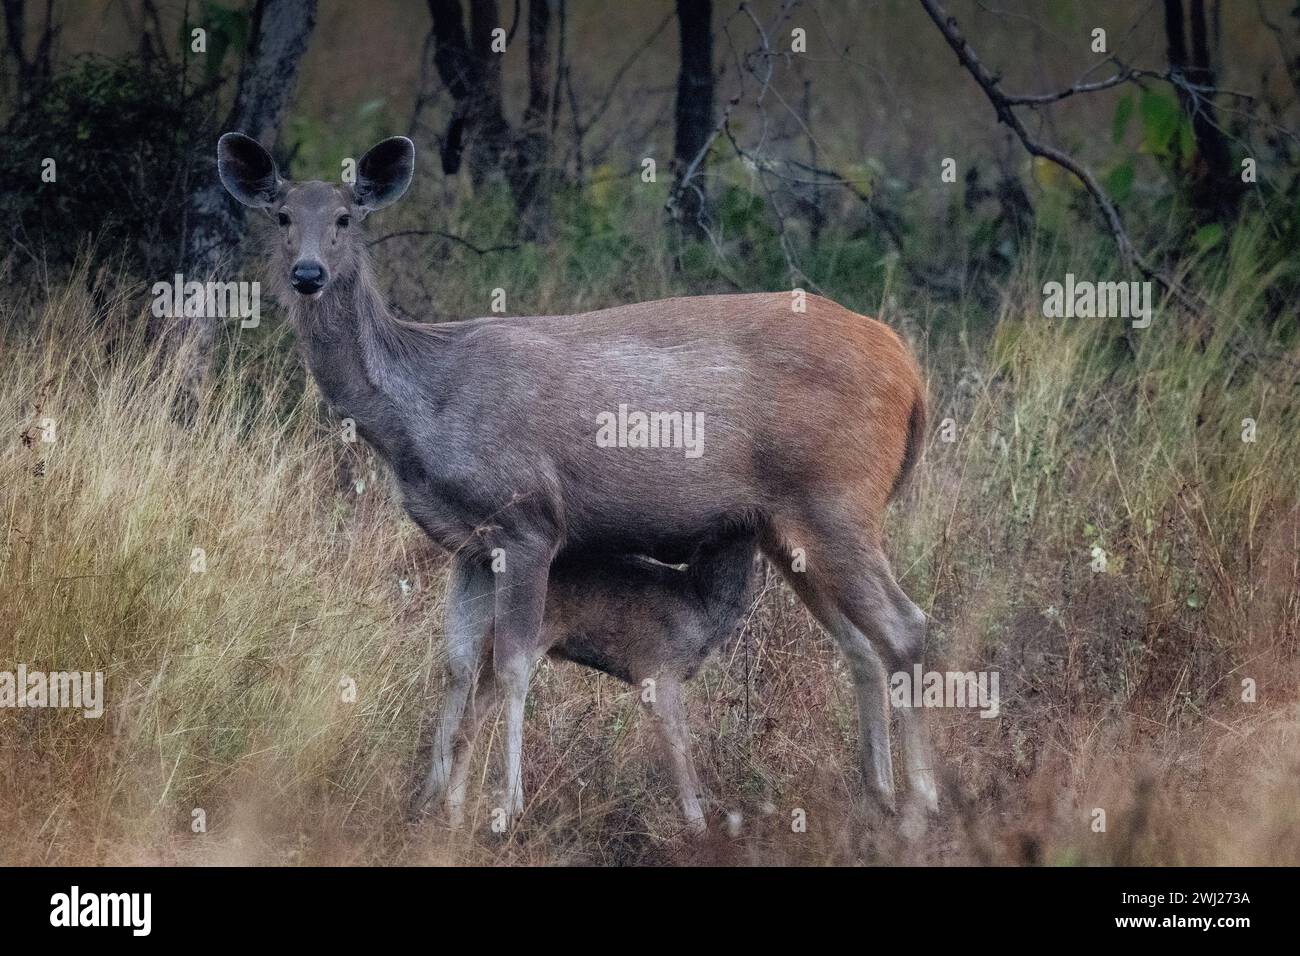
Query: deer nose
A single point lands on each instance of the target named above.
(308, 277)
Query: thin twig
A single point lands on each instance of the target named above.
(481, 250)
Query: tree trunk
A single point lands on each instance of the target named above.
(472, 74)
(528, 166)
(694, 107)
(1214, 188)
(478, 130)
(280, 31)
(486, 129)
(455, 67)
(32, 71)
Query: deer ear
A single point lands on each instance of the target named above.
(247, 170)
(384, 173)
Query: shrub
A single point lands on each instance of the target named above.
(124, 136)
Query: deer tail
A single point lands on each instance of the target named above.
(915, 442)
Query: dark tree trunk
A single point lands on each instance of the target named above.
(280, 31)
(33, 69)
(457, 71)
(1176, 36)
(478, 131)
(486, 129)
(694, 106)
(472, 74)
(1214, 187)
(528, 166)
(451, 47)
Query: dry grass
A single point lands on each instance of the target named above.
(1120, 690)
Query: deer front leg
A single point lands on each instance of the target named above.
(668, 713)
(481, 702)
(520, 604)
(470, 605)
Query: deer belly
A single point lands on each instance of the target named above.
(622, 623)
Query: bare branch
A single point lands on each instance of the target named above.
(481, 250)
(1040, 99)
(1002, 105)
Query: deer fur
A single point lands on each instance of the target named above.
(810, 421)
(645, 623)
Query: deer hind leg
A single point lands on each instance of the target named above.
(870, 687)
(481, 702)
(847, 584)
(874, 607)
(468, 625)
(667, 712)
(865, 668)
(902, 624)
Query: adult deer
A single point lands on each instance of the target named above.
(811, 419)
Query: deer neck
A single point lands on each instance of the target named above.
(345, 337)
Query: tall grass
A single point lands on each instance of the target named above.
(232, 733)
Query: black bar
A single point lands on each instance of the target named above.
(218, 905)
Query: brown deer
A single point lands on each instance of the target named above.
(807, 420)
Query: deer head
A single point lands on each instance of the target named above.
(318, 242)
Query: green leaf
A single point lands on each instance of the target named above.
(1123, 113)
(1119, 182)
(1207, 237)
(1186, 140)
(1160, 120)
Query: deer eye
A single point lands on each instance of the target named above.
(284, 219)
(344, 221)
